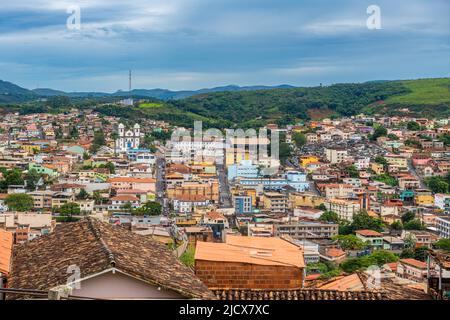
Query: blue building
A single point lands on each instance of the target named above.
(243, 204)
(294, 179)
(245, 169)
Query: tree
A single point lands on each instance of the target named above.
(99, 140)
(352, 171)
(421, 253)
(128, 207)
(379, 131)
(350, 242)
(19, 202)
(377, 258)
(69, 210)
(392, 136)
(32, 178)
(150, 208)
(11, 177)
(443, 244)
(413, 126)
(285, 151)
(299, 139)
(362, 221)
(397, 225)
(437, 184)
(408, 216)
(329, 216)
(82, 195)
(414, 225)
(97, 197)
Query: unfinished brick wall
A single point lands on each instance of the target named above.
(249, 276)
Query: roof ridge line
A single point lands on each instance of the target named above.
(96, 232)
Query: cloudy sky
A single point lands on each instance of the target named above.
(192, 44)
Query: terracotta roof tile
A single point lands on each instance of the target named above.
(95, 246)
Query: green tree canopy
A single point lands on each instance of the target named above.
(299, 139)
(69, 209)
(150, 208)
(350, 242)
(443, 244)
(408, 216)
(19, 202)
(413, 126)
(329, 216)
(414, 224)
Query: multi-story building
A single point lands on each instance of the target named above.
(345, 209)
(412, 269)
(245, 169)
(306, 229)
(275, 202)
(443, 227)
(442, 201)
(373, 238)
(242, 204)
(334, 191)
(336, 155)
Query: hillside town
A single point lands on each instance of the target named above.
(99, 207)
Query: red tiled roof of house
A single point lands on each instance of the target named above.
(369, 233)
(415, 263)
(334, 252)
(124, 198)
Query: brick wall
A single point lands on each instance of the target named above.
(247, 276)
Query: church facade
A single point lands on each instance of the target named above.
(128, 139)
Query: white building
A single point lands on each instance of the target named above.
(336, 155)
(345, 209)
(442, 201)
(129, 139)
(443, 227)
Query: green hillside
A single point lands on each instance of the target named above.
(245, 109)
(424, 91)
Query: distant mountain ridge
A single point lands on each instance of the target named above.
(162, 94)
(12, 93)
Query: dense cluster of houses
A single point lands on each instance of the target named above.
(241, 224)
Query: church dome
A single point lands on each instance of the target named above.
(137, 126)
(121, 126)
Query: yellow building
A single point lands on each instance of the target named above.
(31, 148)
(305, 160)
(397, 160)
(424, 199)
(377, 168)
(297, 200)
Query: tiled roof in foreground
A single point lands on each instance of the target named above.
(95, 246)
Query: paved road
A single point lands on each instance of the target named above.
(160, 183)
(415, 174)
(224, 188)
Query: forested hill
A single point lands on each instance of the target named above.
(283, 106)
(424, 97)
